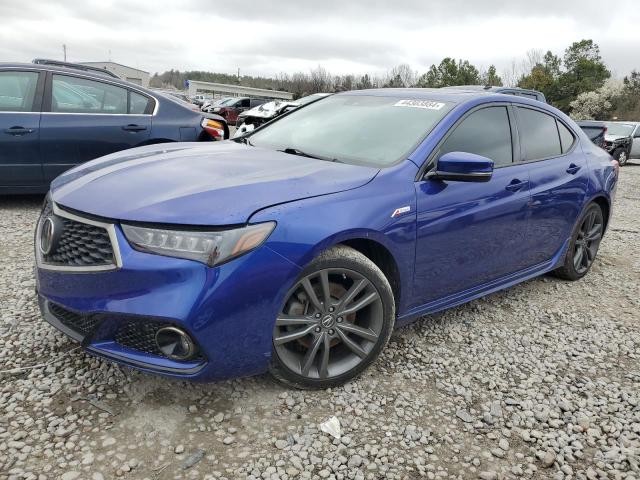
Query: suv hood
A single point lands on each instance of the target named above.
(221, 183)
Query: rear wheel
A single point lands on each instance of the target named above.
(334, 323)
(584, 244)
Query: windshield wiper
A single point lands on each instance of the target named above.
(300, 153)
(244, 140)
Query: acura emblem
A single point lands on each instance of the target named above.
(48, 234)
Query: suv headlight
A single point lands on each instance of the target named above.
(209, 247)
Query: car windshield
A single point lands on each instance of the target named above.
(358, 129)
(619, 129)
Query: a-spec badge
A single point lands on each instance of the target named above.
(399, 211)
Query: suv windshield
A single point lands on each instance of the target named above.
(358, 129)
(619, 129)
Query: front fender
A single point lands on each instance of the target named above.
(307, 227)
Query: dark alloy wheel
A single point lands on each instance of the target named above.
(584, 244)
(621, 156)
(334, 321)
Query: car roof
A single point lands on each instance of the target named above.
(453, 95)
(72, 71)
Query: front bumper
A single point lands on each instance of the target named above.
(228, 310)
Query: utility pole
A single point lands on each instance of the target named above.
(64, 51)
(238, 75)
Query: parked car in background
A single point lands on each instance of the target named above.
(234, 107)
(211, 103)
(616, 138)
(595, 130)
(619, 140)
(55, 117)
(299, 247)
(199, 99)
(519, 92)
(627, 133)
(257, 116)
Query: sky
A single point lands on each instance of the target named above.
(265, 37)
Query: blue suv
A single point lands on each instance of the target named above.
(55, 117)
(299, 247)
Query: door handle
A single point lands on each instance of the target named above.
(17, 131)
(516, 185)
(573, 169)
(134, 128)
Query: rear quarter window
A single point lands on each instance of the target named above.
(566, 137)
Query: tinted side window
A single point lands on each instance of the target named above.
(139, 104)
(538, 134)
(486, 132)
(17, 91)
(566, 137)
(244, 103)
(78, 95)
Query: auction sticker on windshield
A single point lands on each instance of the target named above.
(420, 104)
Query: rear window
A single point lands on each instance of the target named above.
(592, 132)
(538, 134)
(79, 95)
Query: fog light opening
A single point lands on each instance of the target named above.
(175, 343)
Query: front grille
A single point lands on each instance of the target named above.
(79, 244)
(82, 324)
(141, 335)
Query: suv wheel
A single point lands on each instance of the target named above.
(335, 321)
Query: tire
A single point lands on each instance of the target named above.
(354, 339)
(621, 155)
(571, 269)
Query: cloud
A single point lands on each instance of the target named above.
(355, 36)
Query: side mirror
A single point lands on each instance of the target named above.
(462, 167)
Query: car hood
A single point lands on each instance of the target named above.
(221, 183)
(614, 138)
(266, 110)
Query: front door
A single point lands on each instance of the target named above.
(469, 234)
(20, 129)
(88, 119)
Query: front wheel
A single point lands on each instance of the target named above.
(584, 244)
(335, 321)
(621, 156)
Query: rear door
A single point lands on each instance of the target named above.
(84, 118)
(20, 100)
(559, 179)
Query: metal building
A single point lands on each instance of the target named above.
(130, 74)
(225, 90)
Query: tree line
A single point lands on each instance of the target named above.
(578, 82)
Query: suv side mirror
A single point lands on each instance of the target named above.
(462, 167)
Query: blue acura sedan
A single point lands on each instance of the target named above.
(298, 248)
(56, 116)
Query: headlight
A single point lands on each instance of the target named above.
(210, 247)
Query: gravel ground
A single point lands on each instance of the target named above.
(539, 381)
